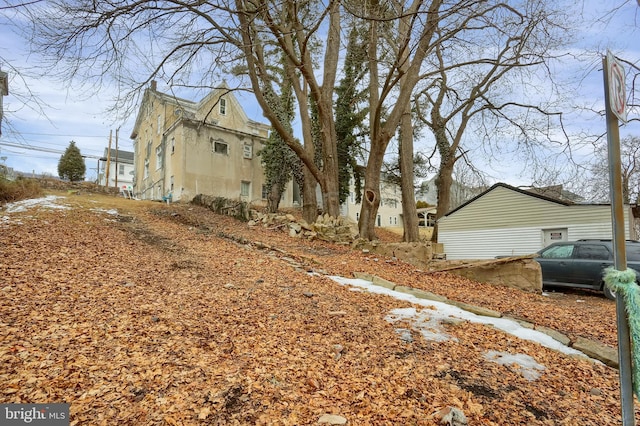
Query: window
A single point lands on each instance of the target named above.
(146, 168)
(247, 151)
(171, 181)
(245, 188)
(220, 147)
(121, 169)
(265, 193)
(596, 251)
(390, 220)
(352, 197)
(148, 149)
(158, 157)
(173, 145)
(223, 106)
(357, 216)
(558, 252)
(159, 125)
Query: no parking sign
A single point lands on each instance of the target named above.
(617, 93)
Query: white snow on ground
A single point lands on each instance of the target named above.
(520, 363)
(429, 323)
(48, 202)
(112, 212)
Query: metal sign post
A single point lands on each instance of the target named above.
(615, 96)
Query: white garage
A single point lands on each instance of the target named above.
(509, 221)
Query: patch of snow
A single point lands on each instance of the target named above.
(112, 212)
(438, 311)
(48, 202)
(520, 363)
(428, 325)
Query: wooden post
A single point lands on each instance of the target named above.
(106, 182)
(116, 168)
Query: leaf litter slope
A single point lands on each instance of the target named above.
(172, 315)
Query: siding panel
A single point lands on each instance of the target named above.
(504, 222)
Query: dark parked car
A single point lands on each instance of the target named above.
(581, 264)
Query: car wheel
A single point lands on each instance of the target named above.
(608, 293)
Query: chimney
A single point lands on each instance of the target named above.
(153, 85)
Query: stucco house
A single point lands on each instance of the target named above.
(389, 211)
(184, 148)
(120, 165)
(506, 221)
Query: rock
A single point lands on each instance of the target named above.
(7, 288)
(451, 416)
(229, 286)
(308, 294)
(295, 226)
(597, 350)
(553, 333)
(478, 310)
(332, 419)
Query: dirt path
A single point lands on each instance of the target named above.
(140, 313)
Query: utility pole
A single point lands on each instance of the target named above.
(116, 168)
(106, 183)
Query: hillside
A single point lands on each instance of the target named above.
(142, 313)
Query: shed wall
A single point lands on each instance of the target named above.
(504, 222)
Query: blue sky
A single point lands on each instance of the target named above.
(67, 115)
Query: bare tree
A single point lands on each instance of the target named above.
(193, 43)
(483, 78)
(598, 180)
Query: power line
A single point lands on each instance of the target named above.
(67, 136)
(44, 149)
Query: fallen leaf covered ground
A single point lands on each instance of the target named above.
(141, 313)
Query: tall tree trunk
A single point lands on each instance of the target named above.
(444, 179)
(409, 211)
(309, 199)
(371, 196)
(273, 199)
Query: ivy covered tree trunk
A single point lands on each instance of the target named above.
(273, 198)
(309, 198)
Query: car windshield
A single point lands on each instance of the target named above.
(558, 252)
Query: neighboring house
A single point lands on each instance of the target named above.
(505, 221)
(389, 211)
(428, 192)
(120, 169)
(184, 148)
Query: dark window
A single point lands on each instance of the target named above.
(220, 147)
(595, 251)
(633, 252)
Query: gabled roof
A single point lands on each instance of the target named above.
(122, 156)
(190, 110)
(512, 188)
